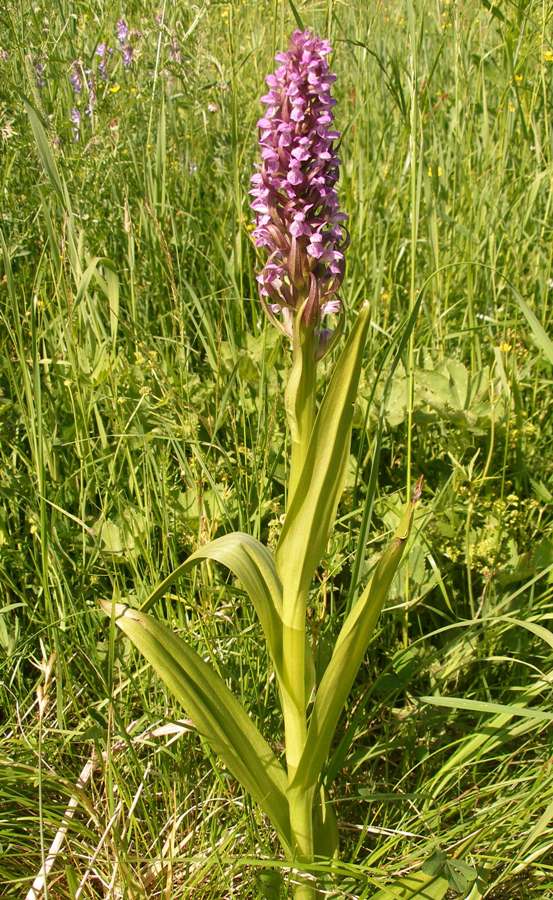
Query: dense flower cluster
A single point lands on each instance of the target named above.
(297, 216)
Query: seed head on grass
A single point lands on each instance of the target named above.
(297, 215)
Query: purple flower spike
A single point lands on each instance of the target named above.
(122, 31)
(127, 52)
(91, 85)
(40, 69)
(297, 215)
(175, 51)
(102, 51)
(76, 122)
(75, 78)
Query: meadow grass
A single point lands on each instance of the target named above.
(141, 415)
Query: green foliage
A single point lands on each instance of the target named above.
(219, 718)
(166, 427)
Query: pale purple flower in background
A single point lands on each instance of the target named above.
(297, 215)
(175, 51)
(127, 52)
(40, 80)
(76, 120)
(122, 31)
(91, 85)
(75, 78)
(4, 55)
(102, 50)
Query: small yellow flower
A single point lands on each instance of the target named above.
(548, 56)
(518, 79)
(504, 347)
(115, 88)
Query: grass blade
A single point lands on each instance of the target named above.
(483, 706)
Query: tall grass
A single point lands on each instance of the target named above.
(139, 388)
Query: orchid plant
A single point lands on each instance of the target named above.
(299, 224)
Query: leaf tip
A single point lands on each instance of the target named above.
(417, 490)
(109, 608)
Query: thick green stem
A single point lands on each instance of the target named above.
(295, 725)
(305, 891)
(300, 410)
(301, 823)
(293, 693)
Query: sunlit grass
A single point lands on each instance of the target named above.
(140, 416)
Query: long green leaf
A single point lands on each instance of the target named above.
(347, 656)
(253, 564)
(216, 713)
(313, 507)
(415, 886)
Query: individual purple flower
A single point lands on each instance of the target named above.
(75, 78)
(76, 120)
(297, 215)
(122, 31)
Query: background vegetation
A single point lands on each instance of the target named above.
(141, 414)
